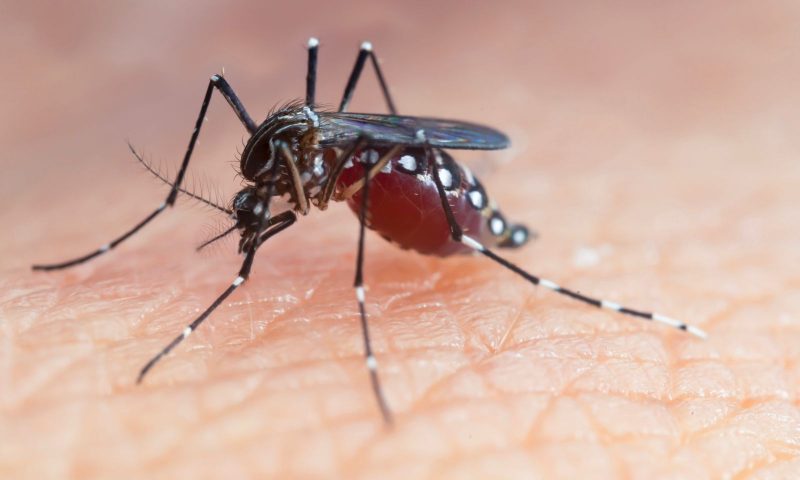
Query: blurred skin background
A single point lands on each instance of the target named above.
(655, 149)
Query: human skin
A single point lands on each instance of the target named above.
(655, 150)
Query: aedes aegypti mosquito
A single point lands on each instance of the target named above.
(313, 156)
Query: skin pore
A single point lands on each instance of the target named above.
(654, 150)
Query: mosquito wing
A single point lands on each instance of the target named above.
(342, 128)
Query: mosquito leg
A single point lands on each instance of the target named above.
(225, 89)
(459, 236)
(297, 182)
(336, 172)
(358, 284)
(277, 224)
(282, 222)
(364, 52)
(311, 73)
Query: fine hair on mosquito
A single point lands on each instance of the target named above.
(309, 156)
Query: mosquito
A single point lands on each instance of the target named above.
(394, 172)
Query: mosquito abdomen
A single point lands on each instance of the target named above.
(404, 206)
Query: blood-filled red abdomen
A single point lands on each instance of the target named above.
(404, 205)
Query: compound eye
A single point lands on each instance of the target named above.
(246, 218)
(243, 205)
(240, 202)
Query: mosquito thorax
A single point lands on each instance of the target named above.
(288, 127)
(284, 152)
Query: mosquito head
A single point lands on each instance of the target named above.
(246, 208)
(248, 212)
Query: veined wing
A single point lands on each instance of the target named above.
(343, 128)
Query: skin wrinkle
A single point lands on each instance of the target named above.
(619, 466)
(169, 454)
(476, 362)
(517, 317)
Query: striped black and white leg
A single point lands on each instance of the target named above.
(311, 72)
(281, 223)
(364, 52)
(225, 89)
(474, 244)
(358, 284)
